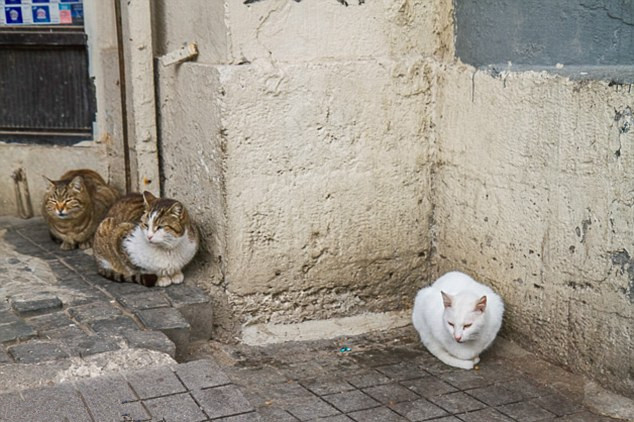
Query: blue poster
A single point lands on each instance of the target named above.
(41, 14)
(12, 1)
(13, 15)
(69, 1)
(41, 1)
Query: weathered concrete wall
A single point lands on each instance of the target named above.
(310, 151)
(533, 194)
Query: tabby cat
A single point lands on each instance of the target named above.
(145, 240)
(74, 205)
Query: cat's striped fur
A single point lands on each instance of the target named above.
(146, 240)
(74, 205)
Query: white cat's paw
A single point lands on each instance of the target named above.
(163, 281)
(178, 278)
(476, 360)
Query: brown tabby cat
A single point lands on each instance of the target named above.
(145, 240)
(74, 205)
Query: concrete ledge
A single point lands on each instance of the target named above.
(324, 329)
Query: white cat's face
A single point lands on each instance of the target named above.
(463, 316)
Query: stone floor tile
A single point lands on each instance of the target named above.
(448, 419)
(52, 321)
(558, 405)
(95, 311)
(465, 380)
(59, 403)
(390, 393)
(68, 334)
(379, 414)
(130, 412)
(402, 371)
(145, 300)
(155, 383)
(110, 398)
(201, 374)
(120, 289)
(7, 316)
(245, 417)
(17, 330)
(35, 303)
(283, 391)
(169, 321)
(91, 345)
(309, 408)
(268, 414)
(350, 401)
(418, 410)
(176, 408)
(485, 415)
(526, 388)
(303, 370)
(495, 395)
(115, 326)
(37, 351)
(457, 402)
(152, 340)
(222, 401)
(182, 295)
(429, 386)
(336, 418)
(584, 416)
(368, 378)
(321, 386)
(525, 411)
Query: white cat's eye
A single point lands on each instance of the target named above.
(467, 325)
(450, 323)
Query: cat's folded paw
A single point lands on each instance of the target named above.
(476, 360)
(84, 245)
(164, 281)
(67, 246)
(178, 278)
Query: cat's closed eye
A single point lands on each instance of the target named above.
(467, 325)
(450, 323)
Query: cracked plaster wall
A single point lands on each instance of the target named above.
(304, 128)
(534, 195)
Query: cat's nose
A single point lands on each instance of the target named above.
(458, 338)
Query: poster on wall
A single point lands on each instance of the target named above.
(41, 12)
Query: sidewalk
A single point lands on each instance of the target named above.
(76, 347)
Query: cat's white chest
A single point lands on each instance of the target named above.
(155, 259)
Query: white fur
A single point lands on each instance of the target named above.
(164, 256)
(431, 319)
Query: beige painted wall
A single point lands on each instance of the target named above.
(306, 133)
(534, 195)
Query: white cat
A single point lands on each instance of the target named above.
(457, 318)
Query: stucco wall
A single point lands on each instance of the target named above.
(310, 141)
(533, 194)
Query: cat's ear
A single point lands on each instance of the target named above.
(446, 299)
(481, 304)
(77, 184)
(176, 210)
(148, 199)
(49, 183)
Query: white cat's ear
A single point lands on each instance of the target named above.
(481, 304)
(446, 299)
(77, 183)
(148, 199)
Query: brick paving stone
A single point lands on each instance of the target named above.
(402, 371)
(448, 419)
(155, 383)
(195, 305)
(95, 311)
(309, 408)
(457, 402)
(558, 405)
(368, 378)
(4, 356)
(337, 418)
(152, 340)
(35, 304)
(429, 386)
(465, 380)
(525, 411)
(526, 388)
(268, 414)
(223, 401)
(323, 386)
(59, 403)
(170, 322)
(418, 410)
(116, 326)
(176, 408)
(52, 321)
(495, 395)
(349, 401)
(201, 374)
(130, 412)
(67, 334)
(37, 351)
(6, 316)
(390, 393)
(16, 331)
(379, 414)
(91, 345)
(120, 289)
(182, 294)
(245, 417)
(109, 399)
(485, 415)
(145, 300)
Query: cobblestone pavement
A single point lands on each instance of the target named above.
(389, 377)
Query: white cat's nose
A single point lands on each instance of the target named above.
(458, 338)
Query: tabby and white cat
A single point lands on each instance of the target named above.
(74, 205)
(145, 240)
(457, 318)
